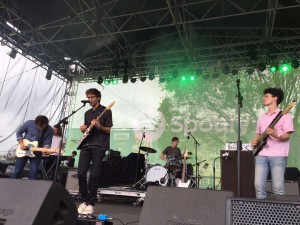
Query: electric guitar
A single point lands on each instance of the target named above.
(262, 141)
(88, 130)
(31, 147)
(184, 182)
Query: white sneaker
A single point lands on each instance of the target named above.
(89, 210)
(81, 208)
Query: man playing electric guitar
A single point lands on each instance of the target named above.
(274, 153)
(33, 130)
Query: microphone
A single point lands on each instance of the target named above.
(85, 101)
(238, 82)
(188, 137)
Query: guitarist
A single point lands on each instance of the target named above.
(92, 151)
(33, 130)
(273, 155)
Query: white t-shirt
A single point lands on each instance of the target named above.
(56, 143)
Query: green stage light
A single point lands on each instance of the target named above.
(107, 82)
(114, 81)
(273, 68)
(285, 68)
(192, 78)
(183, 78)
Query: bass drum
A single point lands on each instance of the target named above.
(157, 174)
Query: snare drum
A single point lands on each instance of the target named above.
(157, 174)
(174, 163)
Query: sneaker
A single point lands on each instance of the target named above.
(89, 210)
(81, 208)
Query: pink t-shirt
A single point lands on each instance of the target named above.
(274, 147)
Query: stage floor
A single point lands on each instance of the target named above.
(120, 208)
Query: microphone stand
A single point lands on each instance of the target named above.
(239, 142)
(64, 122)
(214, 172)
(196, 143)
(138, 158)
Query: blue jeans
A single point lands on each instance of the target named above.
(34, 166)
(263, 164)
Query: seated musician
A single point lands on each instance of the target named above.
(32, 130)
(172, 155)
(71, 160)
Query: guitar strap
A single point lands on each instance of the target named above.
(275, 118)
(41, 139)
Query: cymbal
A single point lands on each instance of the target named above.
(147, 149)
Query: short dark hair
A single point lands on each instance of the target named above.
(41, 120)
(275, 92)
(93, 91)
(175, 139)
(74, 152)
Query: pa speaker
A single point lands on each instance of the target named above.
(167, 205)
(35, 202)
(229, 173)
(253, 211)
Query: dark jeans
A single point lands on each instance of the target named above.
(34, 166)
(89, 159)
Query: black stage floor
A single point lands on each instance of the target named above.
(121, 209)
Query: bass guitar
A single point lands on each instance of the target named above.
(88, 130)
(262, 141)
(31, 147)
(185, 183)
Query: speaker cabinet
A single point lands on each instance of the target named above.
(253, 211)
(167, 205)
(35, 202)
(229, 173)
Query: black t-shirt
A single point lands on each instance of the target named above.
(169, 151)
(71, 162)
(98, 139)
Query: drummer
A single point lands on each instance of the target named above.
(172, 155)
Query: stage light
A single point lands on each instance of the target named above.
(285, 68)
(100, 80)
(49, 74)
(143, 78)
(250, 71)
(133, 80)
(125, 79)
(295, 63)
(107, 82)
(12, 53)
(226, 70)
(183, 77)
(192, 77)
(114, 81)
(273, 68)
(162, 79)
(261, 67)
(151, 76)
(234, 71)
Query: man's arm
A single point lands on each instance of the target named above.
(162, 156)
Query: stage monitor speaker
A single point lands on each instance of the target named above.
(35, 202)
(253, 211)
(167, 205)
(229, 173)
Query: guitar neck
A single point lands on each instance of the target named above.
(183, 170)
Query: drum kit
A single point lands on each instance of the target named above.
(157, 174)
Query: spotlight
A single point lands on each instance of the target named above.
(261, 67)
(295, 63)
(12, 53)
(151, 76)
(143, 78)
(162, 79)
(273, 68)
(133, 79)
(215, 75)
(114, 81)
(226, 70)
(192, 77)
(125, 79)
(284, 68)
(234, 71)
(175, 74)
(183, 78)
(48, 74)
(100, 80)
(250, 71)
(107, 82)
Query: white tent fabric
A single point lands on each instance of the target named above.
(24, 94)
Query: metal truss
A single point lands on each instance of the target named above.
(188, 34)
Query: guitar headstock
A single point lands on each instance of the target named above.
(110, 105)
(290, 106)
